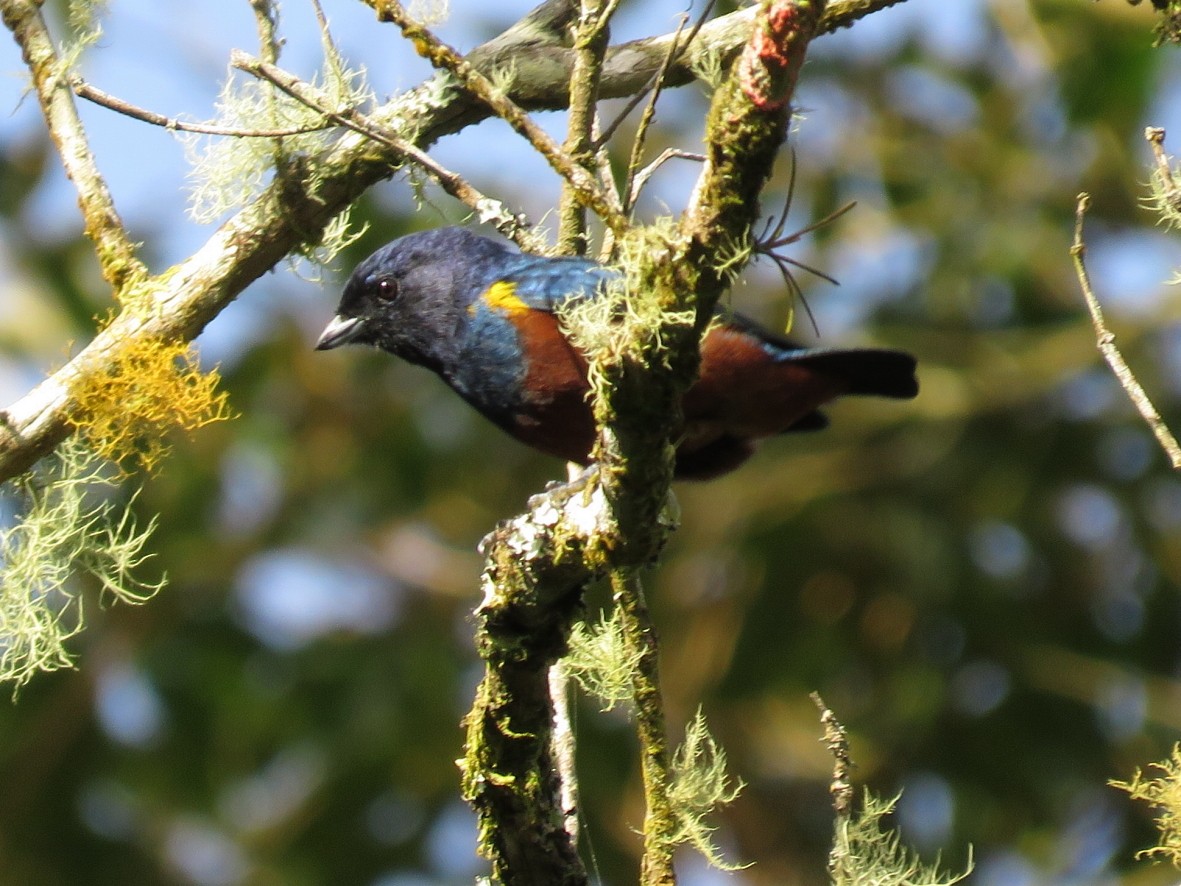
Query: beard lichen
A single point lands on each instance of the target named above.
(70, 526)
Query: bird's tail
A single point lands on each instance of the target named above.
(873, 371)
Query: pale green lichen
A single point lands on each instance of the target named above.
(699, 784)
(429, 12)
(71, 527)
(1163, 792)
(228, 172)
(602, 660)
(82, 18)
(624, 319)
(868, 853)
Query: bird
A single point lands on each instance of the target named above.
(483, 316)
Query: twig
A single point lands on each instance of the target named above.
(773, 239)
(1167, 194)
(266, 22)
(841, 787)
(445, 58)
(630, 188)
(641, 177)
(590, 47)
(720, 39)
(837, 742)
(660, 823)
(82, 89)
(1106, 343)
(676, 49)
(487, 209)
(116, 252)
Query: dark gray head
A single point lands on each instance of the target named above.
(411, 296)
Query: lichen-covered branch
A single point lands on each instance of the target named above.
(590, 48)
(618, 518)
(486, 209)
(660, 820)
(116, 253)
(443, 56)
(536, 569)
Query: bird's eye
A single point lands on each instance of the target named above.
(387, 289)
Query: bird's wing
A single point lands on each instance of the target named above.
(542, 283)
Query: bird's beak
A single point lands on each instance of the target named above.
(340, 331)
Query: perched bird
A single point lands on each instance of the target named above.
(482, 316)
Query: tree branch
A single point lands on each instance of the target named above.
(282, 217)
(617, 517)
(660, 821)
(1106, 343)
(590, 48)
(487, 210)
(116, 253)
(444, 57)
(91, 93)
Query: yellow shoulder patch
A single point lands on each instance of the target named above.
(501, 296)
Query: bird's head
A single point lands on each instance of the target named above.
(411, 296)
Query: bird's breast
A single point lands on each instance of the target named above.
(519, 370)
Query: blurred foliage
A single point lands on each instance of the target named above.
(982, 584)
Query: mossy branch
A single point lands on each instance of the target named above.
(617, 518)
(591, 36)
(661, 824)
(479, 85)
(50, 75)
(486, 210)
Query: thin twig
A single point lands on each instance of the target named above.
(487, 210)
(837, 742)
(641, 177)
(1167, 192)
(591, 37)
(445, 58)
(676, 49)
(660, 823)
(104, 99)
(773, 239)
(630, 188)
(1106, 343)
(841, 786)
(116, 252)
(266, 21)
